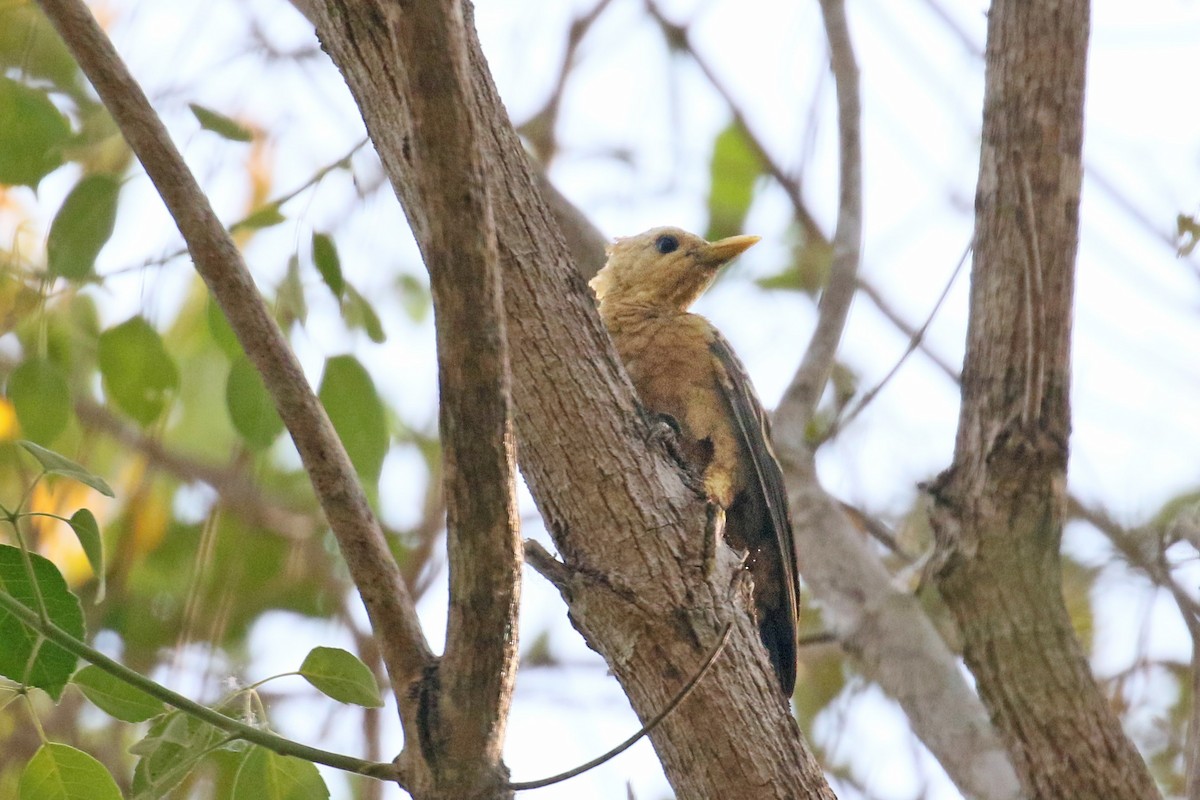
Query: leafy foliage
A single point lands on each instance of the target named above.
(138, 372)
(348, 394)
(82, 227)
(265, 775)
(60, 772)
(116, 697)
(39, 394)
(733, 171)
(342, 676)
(218, 123)
(32, 134)
(26, 656)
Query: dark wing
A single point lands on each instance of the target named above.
(759, 517)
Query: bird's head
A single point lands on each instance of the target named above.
(664, 268)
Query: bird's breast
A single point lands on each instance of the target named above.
(669, 362)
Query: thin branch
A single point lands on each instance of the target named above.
(218, 261)
(237, 728)
(539, 128)
(678, 35)
(547, 565)
(234, 487)
(801, 398)
(286, 197)
(877, 299)
(915, 339)
(682, 695)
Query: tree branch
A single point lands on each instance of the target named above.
(233, 486)
(465, 703)
(998, 511)
(886, 630)
(802, 395)
(236, 728)
(616, 505)
(218, 261)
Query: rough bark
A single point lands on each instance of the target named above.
(464, 700)
(630, 530)
(999, 509)
(886, 630)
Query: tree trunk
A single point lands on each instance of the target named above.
(999, 509)
(632, 534)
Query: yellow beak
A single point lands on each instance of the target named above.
(723, 251)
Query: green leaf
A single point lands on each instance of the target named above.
(266, 775)
(116, 697)
(250, 407)
(138, 373)
(290, 305)
(809, 269)
(39, 394)
(265, 217)
(169, 752)
(32, 134)
(223, 126)
(415, 297)
(220, 330)
(340, 675)
(26, 656)
(28, 41)
(734, 168)
(54, 464)
(82, 227)
(357, 413)
(83, 522)
(325, 258)
(824, 679)
(359, 313)
(60, 772)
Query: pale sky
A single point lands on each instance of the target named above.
(636, 130)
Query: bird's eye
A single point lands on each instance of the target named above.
(666, 244)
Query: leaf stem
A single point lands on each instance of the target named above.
(240, 730)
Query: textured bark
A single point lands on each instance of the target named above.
(888, 632)
(464, 700)
(630, 530)
(999, 509)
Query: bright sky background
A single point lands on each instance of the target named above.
(1137, 330)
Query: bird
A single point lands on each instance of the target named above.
(686, 374)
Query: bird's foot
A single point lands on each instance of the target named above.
(666, 431)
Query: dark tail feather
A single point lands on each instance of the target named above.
(777, 636)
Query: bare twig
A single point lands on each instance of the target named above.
(539, 128)
(799, 402)
(892, 316)
(915, 339)
(218, 261)
(645, 729)
(791, 186)
(1149, 556)
(291, 194)
(233, 486)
